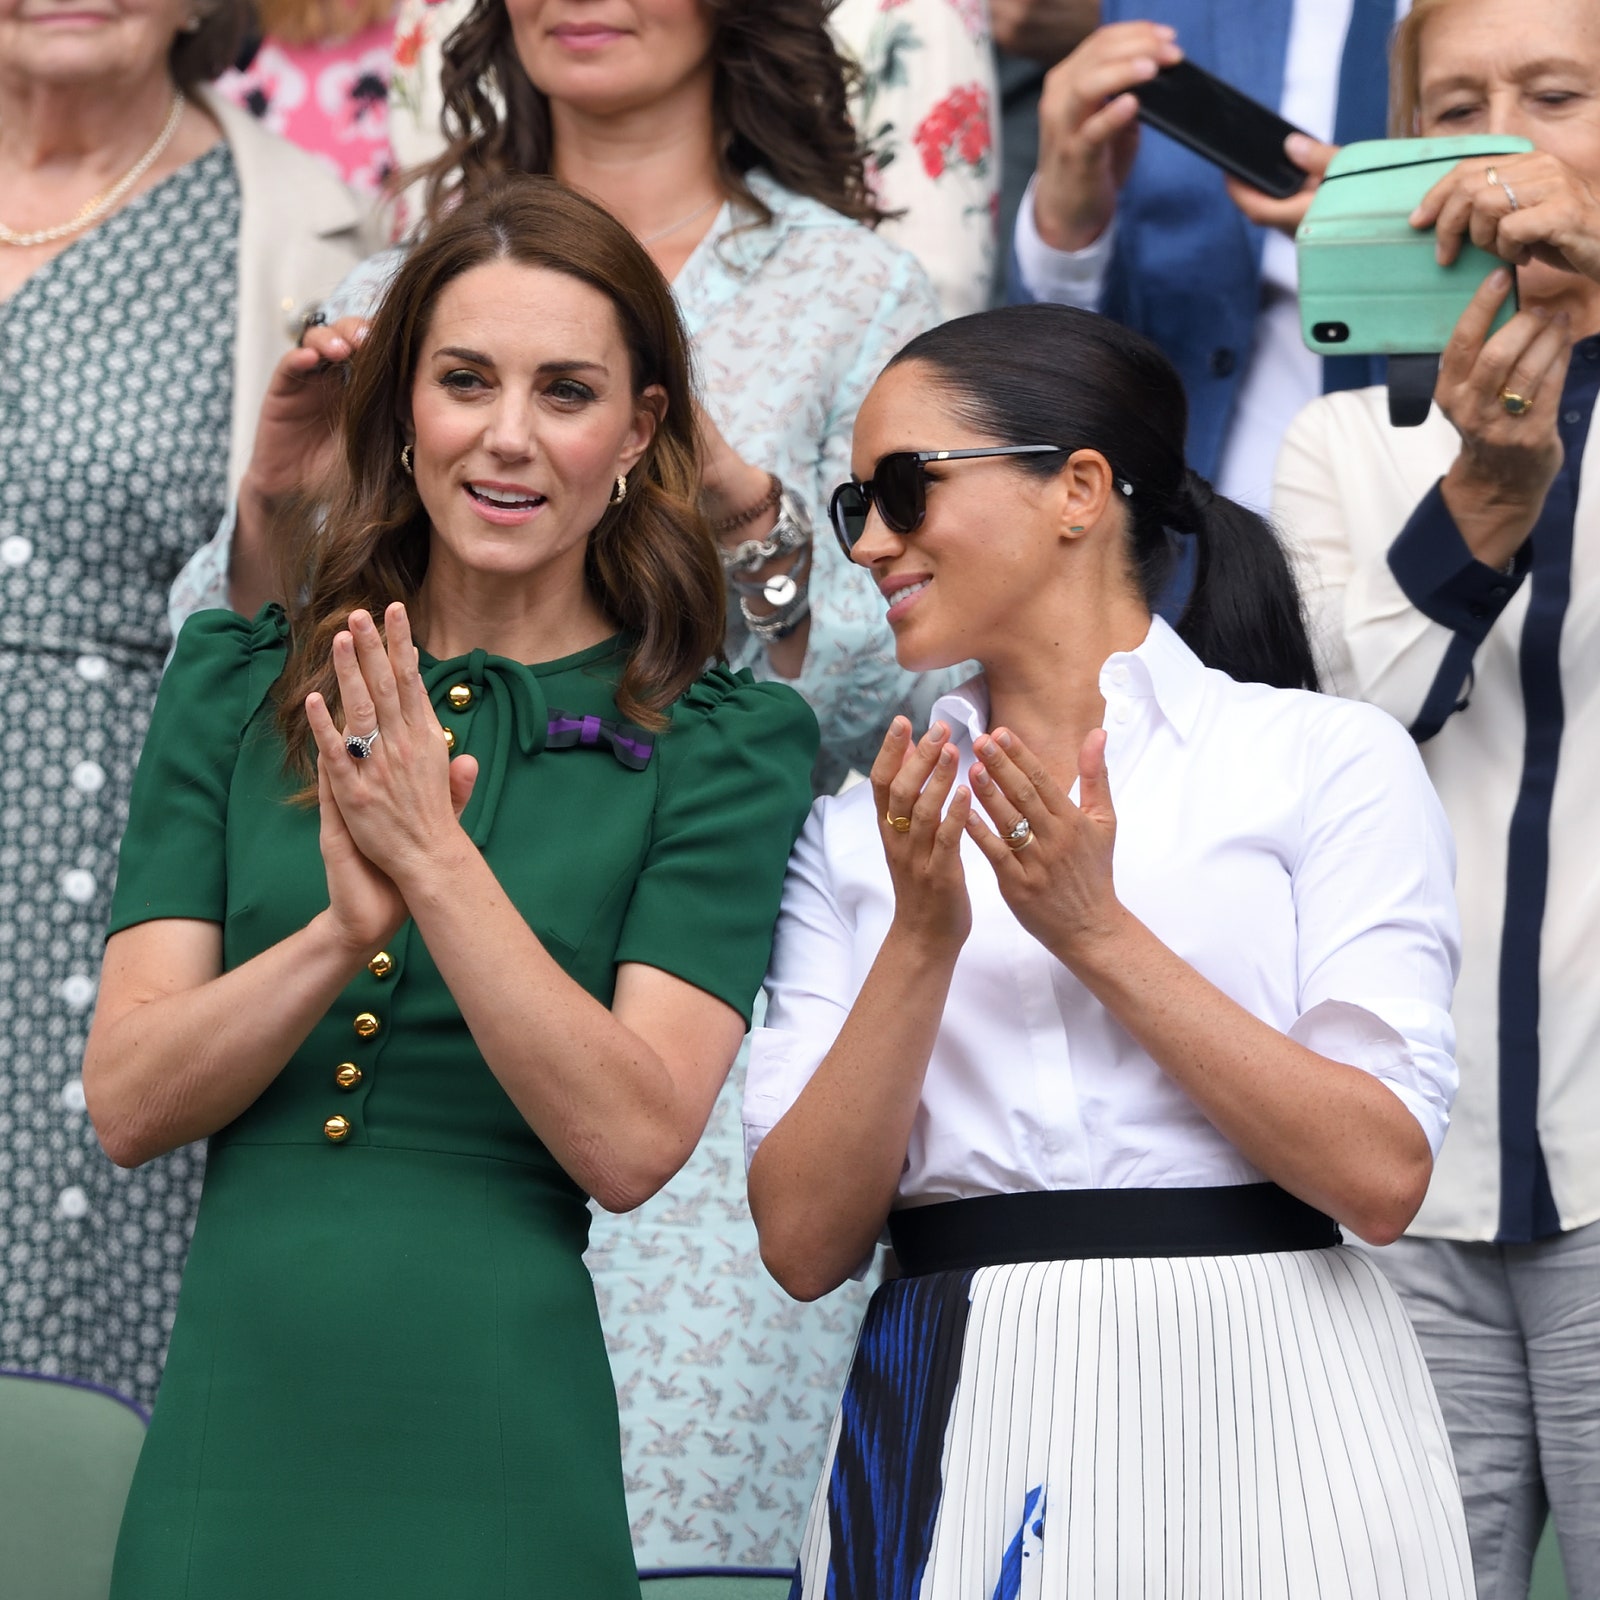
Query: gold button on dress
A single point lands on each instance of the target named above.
(366, 1024)
(381, 965)
(459, 695)
(348, 1075)
(337, 1129)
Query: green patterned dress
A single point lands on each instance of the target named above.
(387, 1377)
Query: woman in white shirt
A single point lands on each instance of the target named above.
(1112, 997)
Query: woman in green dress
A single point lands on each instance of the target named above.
(425, 1006)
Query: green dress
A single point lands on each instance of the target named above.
(387, 1378)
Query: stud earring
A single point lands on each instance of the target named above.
(620, 493)
(1076, 527)
(405, 460)
(192, 25)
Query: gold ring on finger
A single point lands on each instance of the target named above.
(1515, 405)
(1020, 834)
(899, 824)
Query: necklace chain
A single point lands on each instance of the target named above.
(682, 222)
(98, 205)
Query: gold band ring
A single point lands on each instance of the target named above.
(1500, 183)
(899, 824)
(1515, 404)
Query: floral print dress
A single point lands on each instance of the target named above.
(330, 99)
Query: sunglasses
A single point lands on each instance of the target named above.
(898, 488)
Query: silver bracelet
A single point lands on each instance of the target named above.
(790, 532)
(790, 593)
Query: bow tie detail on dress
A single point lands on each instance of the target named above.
(632, 746)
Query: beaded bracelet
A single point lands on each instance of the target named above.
(765, 503)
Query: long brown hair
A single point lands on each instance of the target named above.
(780, 101)
(651, 563)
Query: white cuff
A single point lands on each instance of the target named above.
(1063, 277)
(1422, 1078)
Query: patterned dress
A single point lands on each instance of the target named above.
(116, 392)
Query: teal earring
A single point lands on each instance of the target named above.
(1077, 528)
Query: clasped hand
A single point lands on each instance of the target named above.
(384, 818)
(1058, 885)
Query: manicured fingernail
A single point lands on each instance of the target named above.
(979, 776)
(963, 792)
(947, 756)
(1003, 738)
(1415, 219)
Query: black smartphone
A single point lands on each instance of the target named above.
(1216, 121)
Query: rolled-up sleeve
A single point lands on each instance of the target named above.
(810, 987)
(1379, 933)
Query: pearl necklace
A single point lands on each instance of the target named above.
(92, 210)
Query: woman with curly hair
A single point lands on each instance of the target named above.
(423, 1007)
(716, 130)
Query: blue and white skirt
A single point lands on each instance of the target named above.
(1221, 1427)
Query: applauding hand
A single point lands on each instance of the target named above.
(381, 813)
(922, 842)
(1052, 858)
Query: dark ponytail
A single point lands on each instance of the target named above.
(1048, 374)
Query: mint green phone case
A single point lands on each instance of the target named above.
(1369, 284)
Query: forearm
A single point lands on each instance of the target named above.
(598, 1095)
(1330, 1133)
(825, 1178)
(252, 577)
(169, 1069)
(1495, 519)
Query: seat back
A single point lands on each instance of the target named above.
(67, 1452)
(711, 1583)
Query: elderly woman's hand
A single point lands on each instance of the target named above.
(1502, 394)
(1555, 217)
(403, 799)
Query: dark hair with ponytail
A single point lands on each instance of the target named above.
(1049, 374)
(651, 562)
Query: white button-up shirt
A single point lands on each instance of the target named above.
(1287, 845)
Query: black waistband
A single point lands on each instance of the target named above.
(1091, 1224)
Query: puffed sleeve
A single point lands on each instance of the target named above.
(734, 788)
(1379, 936)
(172, 862)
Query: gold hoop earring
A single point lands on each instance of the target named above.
(405, 460)
(620, 493)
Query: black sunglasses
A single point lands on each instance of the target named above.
(898, 487)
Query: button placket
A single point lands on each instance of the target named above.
(350, 1075)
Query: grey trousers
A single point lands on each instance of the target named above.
(1511, 1334)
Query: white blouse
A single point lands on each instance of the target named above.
(1287, 845)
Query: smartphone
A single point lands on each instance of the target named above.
(1216, 121)
(1369, 281)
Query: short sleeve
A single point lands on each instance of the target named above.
(172, 862)
(734, 788)
(1379, 933)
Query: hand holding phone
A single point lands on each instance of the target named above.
(1088, 128)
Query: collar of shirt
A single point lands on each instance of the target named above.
(1162, 675)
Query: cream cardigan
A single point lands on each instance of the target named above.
(300, 232)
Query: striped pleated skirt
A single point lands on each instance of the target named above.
(1222, 1427)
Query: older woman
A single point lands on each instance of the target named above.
(1454, 574)
(157, 251)
(424, 1008)
(718, 135)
